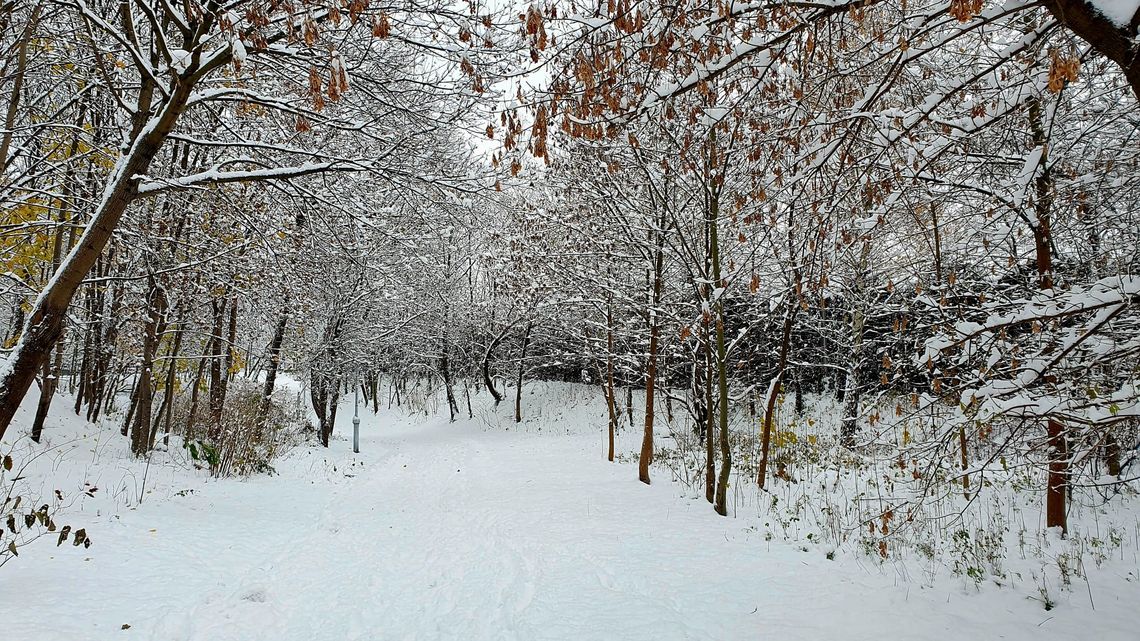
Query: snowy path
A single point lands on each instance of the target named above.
(441, 531)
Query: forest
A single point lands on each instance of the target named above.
(852, 285)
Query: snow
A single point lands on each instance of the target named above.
(480, 529)
(240, 54)
(180, 60)
(1120, 12)
(1029, 171)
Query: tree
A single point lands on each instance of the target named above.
(172, 80)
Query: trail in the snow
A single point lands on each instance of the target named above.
(451, 531)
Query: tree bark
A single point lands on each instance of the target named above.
(1058, 451)
(325, 381)
(448, 386)
(487, 380)
(374, 383)
(522, 367)
(710, 421)
(47, 390)
(167, 408)
(217, 396)
(774, 388)
(195, 393)
(108, 335)
(720, 503)
(1055, 510)
(144, 388)
(86, 362)
(611, 402)
(646, 457)
(1112, 455)
(274, 361)
(849, 424)
(126, 427)
(629, 404)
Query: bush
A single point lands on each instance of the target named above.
(247, 441)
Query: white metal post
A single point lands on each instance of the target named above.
(356, 420)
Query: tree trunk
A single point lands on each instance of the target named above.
(646, 457)
(324, 392)
(221, 362)
(126, 428)
(487, 380)
(774, 388)
(799, 391)
(325, 380)
(445, 363)
(720, 503)
(611, 402)
(144, 388)
(166, 410)
(449, 388)
(710, 421)
(1055, 509)
(467, 394)
(274, 361)
(1112, 455)
(104, 388)
(965, 461)
(85, 364)
(522, 367)
(849, 425)
(195, 392)
(47, 390)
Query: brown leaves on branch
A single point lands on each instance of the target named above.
(535, 30)
(539, 133)
(338, 78)
(381, 28)
(315, 85)
(468, 70)
(965, 10)
(1062, 70)
(310, 32)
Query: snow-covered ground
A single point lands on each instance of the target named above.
(479, 529)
